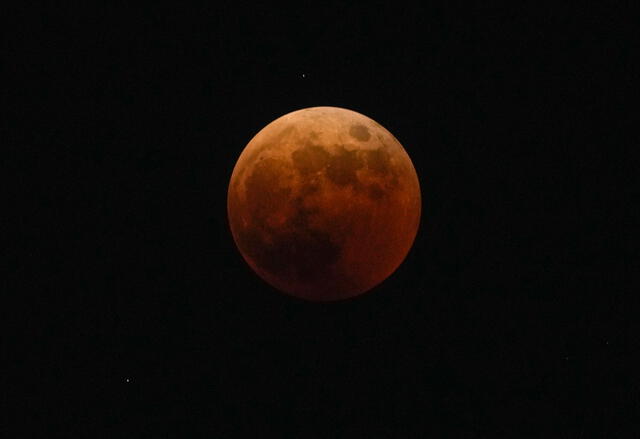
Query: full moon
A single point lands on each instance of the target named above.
(324, 203)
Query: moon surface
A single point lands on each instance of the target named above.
(324, 203)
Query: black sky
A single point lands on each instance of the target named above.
(509, 316)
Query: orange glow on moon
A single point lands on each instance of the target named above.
(324, 203)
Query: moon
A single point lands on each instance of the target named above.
(324, 203)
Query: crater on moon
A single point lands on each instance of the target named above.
(311, 158)
(360, 132)
(343, 165)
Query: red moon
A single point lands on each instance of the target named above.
(324, 203)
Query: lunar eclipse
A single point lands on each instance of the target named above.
(324, 203)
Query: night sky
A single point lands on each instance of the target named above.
(139, 316)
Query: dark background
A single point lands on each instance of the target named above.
(509, 316)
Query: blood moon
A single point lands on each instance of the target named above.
(324, 203)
